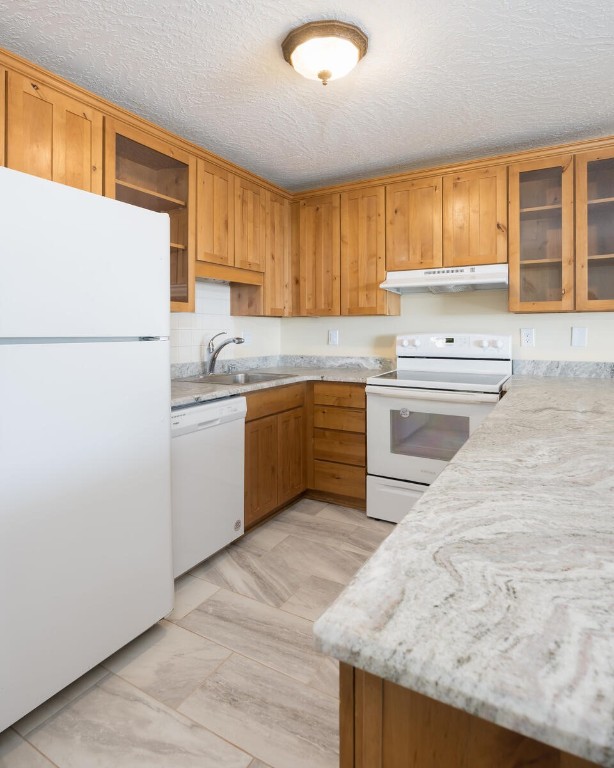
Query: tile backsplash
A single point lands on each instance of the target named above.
(191, 331)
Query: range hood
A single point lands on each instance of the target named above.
(448, 279)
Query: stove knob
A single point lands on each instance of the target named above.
(483, 343)
(405, 343)
(415, 342)
(497, 343)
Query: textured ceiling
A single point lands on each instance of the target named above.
(442, 80)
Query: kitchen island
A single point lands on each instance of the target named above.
(490, 609)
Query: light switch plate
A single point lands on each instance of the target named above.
(579, 336)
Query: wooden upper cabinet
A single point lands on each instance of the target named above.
(320, 255)
(413, 226)
(541, 235)
(363, 254)
(150, 173)
(595, 230)
(475, 217)
(2, 115)
(250, 225)
(215, 236)
(52, 135)
(277, 298)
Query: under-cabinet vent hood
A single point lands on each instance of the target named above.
(448, 279)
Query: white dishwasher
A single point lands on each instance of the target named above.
(207, 469)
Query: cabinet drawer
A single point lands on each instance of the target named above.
(274, 400)
(342, 447)
(331, 393)
(340, 479)
(344, 419)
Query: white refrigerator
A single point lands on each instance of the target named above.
(85, 526)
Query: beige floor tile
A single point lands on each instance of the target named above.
(59, 701)
(17, 753)
(261, 539)
(268, 635)
(313, 597)
(257, 575)
(271, 716)
(114, 725)
(258, 764)
(167, 662)
(189, 593)
(307, 506)
(364, 540)
(313, 558)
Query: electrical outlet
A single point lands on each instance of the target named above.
(579, 336)
(527, 337)
(333, 338)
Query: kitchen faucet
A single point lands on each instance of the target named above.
(215, 351)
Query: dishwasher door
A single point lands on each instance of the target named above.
(207, 476)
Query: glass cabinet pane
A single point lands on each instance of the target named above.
(600, 229)
(541, 229)
(427, 435)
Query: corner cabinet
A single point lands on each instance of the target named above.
(51, 135)
(145, 171)
(595, 230)
(363, 254)
(320, 266)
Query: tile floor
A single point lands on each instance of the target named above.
(230, 678)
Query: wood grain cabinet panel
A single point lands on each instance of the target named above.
(363, 254)
(215, 234)
(475, 217)
(541, 235)
(342, 447)
(320, 263)
(52, 135)
(414, 224)
(339, 394)
(250, 225)
(261, 454)
(344, 419)
(277, 290)
(340, 479)
(291, 455)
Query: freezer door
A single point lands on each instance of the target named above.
(85, 549)
(74, 264)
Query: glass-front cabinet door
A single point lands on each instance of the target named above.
(595, 230)
(541, 235)
(144, 171)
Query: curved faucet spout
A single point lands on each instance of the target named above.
(216, 351)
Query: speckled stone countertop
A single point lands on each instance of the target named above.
(189, 393)
(496, 593)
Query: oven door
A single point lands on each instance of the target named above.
(413, 434)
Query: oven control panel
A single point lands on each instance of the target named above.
(469, 345)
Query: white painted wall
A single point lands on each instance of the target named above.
(190, 331)
(479, 311)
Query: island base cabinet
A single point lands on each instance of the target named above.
(383, 725)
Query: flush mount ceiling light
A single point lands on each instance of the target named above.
(324, 50)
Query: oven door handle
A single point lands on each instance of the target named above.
(404, 393)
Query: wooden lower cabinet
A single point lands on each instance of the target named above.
(274, 450)
(337, 447)
(383, 725)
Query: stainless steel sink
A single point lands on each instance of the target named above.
(224, 379)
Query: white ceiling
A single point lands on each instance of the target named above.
(442, 80)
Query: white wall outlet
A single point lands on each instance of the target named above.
(527, 337)
(333, 338)
(579, 336)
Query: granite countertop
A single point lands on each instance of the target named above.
(496, 593)
(189, 393)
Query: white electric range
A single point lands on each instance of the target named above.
(419, 415)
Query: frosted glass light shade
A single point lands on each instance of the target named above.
(324, 50)
(333, 55)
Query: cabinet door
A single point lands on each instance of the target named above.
(277, 298)
(291, 461)
(413, 227)
(541, 237)
(53, 136)
(2, 115)
(260, 468)
(475, 217)
(215, 214)
(320, 261)
(150, 173)
(363, 254)
(250, 225)
(595, 230)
